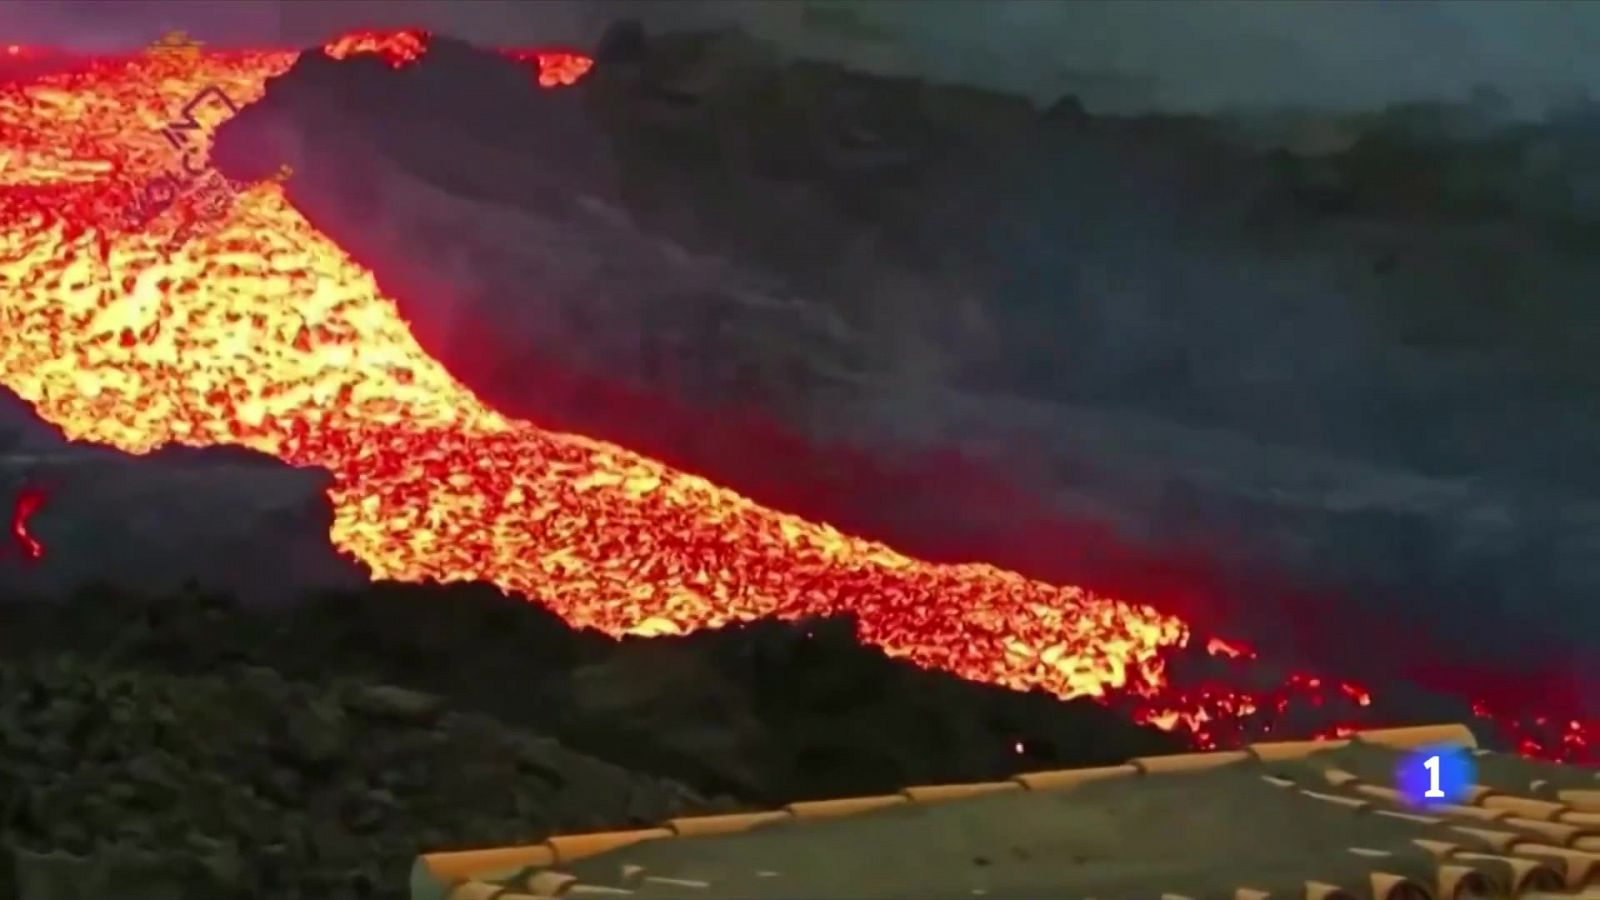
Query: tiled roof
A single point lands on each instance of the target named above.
(1313, 819)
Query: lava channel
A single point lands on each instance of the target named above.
(259, 331)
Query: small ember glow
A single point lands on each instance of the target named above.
(263, 333)
(28, 503)
(1231, 649)
(554, 68)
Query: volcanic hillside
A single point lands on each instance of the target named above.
(254, 329)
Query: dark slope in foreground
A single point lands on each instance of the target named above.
(767, 712)
(240, 784)
(313, 750)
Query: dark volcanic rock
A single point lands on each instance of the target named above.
(766, 712)
(140, 784)
(228, 518)
(243, 751)
(783, 711)
(21, 429)
(310, 750)
(384, 701)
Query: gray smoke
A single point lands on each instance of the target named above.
(1203, 54)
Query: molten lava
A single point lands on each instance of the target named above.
(261, 332)
(552, 68)
(28, 502)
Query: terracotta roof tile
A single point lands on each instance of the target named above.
(935, 793)
(704, 826)
(827, 809)
(1278, 820)
(573, 847)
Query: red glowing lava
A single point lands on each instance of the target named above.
(552, 68)
(261, 332)
(28, 503)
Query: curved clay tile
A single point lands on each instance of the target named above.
(827, 809)
(938, 793)
(548, 883)
(1070, 778)
(1524, 807)
(1187, 762)
(1456, 882)
(1579, 869)
(463, 864)
(1585, 801)
(1284, 751)
(1519, 874)
(1585, 820)
(1535, 876)
(1251, 894)
(1319, 890)
(572, 847)
(707, 826)
(1476, 813)
(1418, 736)
(476, 890)
(1554, 832)
(1494, 839)
(1388, 886)
(1438, 849)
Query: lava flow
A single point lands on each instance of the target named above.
(28, 503)
(259, 331)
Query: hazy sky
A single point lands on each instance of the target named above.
(1199, 52)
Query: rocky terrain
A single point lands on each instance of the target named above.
(243, 784)
(188, 746)
(219, 516)
(1300, 377)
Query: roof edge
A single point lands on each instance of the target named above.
(444, 876)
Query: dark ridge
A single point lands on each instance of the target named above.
(767, 712)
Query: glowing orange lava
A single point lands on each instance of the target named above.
(552, 68)
(399, 48)
(261, 332)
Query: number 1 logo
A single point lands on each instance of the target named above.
(1433, 775)
(1434, 792)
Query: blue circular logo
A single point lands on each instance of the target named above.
(1441, 773)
